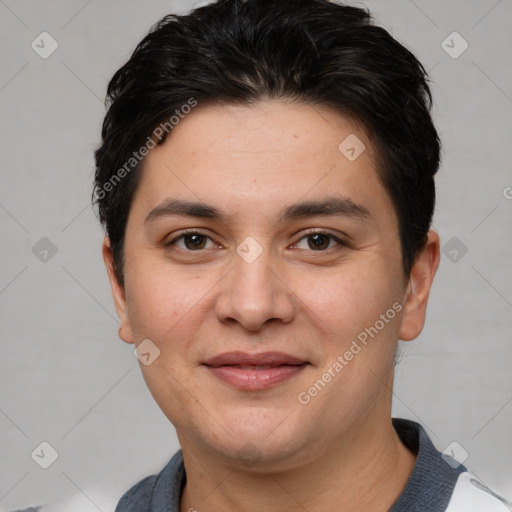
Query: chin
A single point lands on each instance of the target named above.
(257, 443)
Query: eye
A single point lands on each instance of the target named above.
(191, 241)
(319, 241)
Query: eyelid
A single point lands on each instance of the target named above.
(189, 231)
(314, 231)
(322, 231)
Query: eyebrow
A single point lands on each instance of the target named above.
(339, 206)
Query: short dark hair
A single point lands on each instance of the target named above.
(238, 52)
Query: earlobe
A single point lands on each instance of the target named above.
(118, 293)
(418, 288)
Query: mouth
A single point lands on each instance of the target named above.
(255, 371)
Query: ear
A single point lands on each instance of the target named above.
(418, 288)
(118, 293)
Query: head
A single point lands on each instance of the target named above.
(266, 183)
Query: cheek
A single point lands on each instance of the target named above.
(358, 344)
(348, 300)
(160, 298)
(167, 308)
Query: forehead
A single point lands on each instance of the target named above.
(257, 158)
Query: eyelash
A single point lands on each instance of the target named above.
(306, 235)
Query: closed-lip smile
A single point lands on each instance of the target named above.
(255, 371)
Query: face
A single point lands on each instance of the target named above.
(263, 263)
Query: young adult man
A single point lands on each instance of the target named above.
(266, 180)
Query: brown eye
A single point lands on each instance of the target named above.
(195, 241)
(191, 242)
(319, 241)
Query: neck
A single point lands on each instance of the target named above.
(366, 470)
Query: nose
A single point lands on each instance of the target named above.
(254, 293)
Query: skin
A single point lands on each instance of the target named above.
(263, 449)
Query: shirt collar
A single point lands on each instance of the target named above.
(429, 487)
(433, 478)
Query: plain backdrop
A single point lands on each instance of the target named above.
(66, 378)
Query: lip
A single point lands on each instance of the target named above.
(255, 371)
(261, 359)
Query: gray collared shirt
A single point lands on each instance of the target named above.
(429, 488)
(437, 484)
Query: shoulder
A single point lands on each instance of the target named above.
(469, 495)
(439, 483)
(138, 498)
(157, 492)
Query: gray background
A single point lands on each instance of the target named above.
(65, 376)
